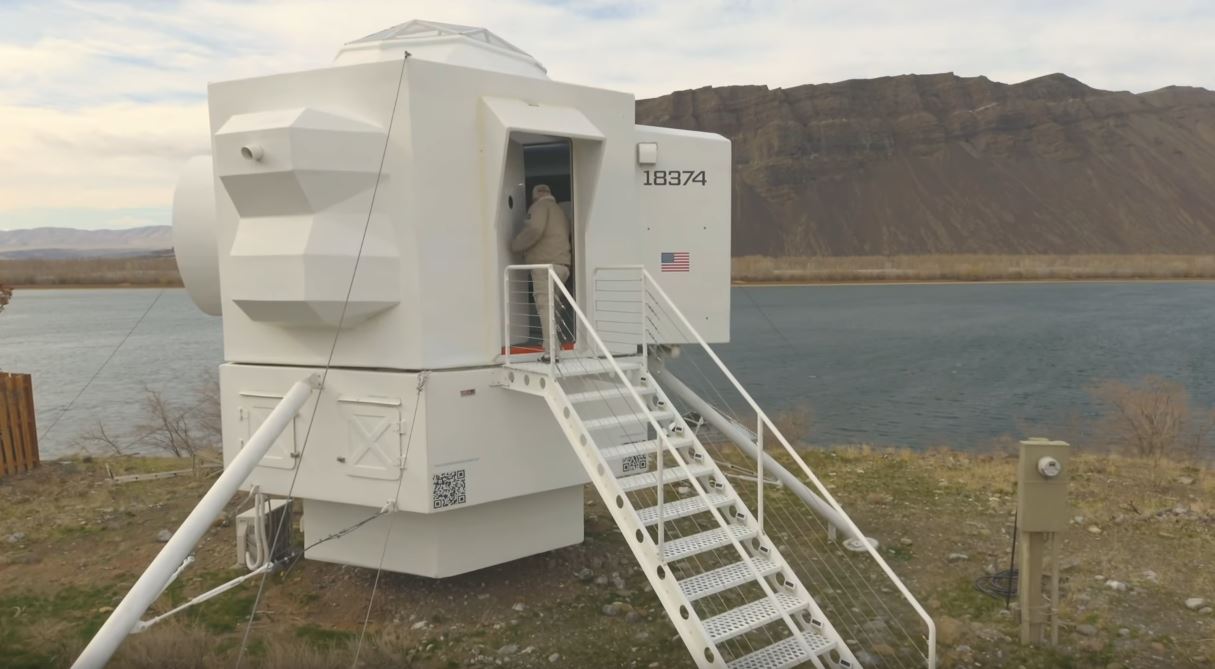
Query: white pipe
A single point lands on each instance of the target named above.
(740, 436)
(158, 574)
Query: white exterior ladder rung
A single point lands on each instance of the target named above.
(725, 578)
(641, 448)
(753, 616)
(785, 653)
(703, 542)
(688, 506)
(670, 474)
(616, 392)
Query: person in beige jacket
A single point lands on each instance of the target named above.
(545, 239)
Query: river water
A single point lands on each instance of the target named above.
(961, 365)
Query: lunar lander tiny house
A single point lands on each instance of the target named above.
(352, 226)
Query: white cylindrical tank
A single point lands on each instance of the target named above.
(194, 233)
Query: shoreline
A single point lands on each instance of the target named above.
(89, 286)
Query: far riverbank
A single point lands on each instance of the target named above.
(161, 271)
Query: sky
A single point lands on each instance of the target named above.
(102, 102)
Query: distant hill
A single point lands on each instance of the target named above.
(940, 164)
(57, 242)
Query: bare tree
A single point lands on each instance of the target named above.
(99, 437)
(6, 294)
(1152, 419)
(168, 427)
(206, 411)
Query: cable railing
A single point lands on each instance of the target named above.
(847, 588)
(611, 335)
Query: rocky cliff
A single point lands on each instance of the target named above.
(926, 164)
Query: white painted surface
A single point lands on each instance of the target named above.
(369, 423)
(362, 219)
(440, 545)
(692, 218)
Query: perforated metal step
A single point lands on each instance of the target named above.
(685, 547)
(679, 508)
(724, 578)
(571, 367)
(617, 392)
(641, 448)
(670, 474)
(753, 616)
(627, 419)
(784, 653)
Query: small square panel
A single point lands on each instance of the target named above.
(647, 153)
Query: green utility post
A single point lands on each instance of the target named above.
(1042, 512)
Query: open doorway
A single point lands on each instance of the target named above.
(550, 162)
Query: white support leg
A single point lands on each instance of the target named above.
(160, 572)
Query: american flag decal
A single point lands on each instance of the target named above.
(676, 261)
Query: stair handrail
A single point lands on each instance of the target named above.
(769, 593)
(763, 417)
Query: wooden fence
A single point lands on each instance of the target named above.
(18, 432)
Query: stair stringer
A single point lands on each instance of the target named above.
(690, 628)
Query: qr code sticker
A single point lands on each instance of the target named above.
(448, 489)
(635, 463)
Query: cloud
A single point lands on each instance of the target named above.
(101, 102)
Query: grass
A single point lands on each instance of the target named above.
(56, 584)
(961, 267)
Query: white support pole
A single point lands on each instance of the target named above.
(158, 574)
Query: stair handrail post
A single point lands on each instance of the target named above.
(551, 308)
(154, 579)
(826, 494)
(645, 351)
(506, 343)
(759, 472)
(665, 442)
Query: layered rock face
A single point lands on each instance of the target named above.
(926, 164)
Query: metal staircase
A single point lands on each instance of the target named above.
(731, 595)
(589, 398)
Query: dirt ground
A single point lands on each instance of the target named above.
(71, 544)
